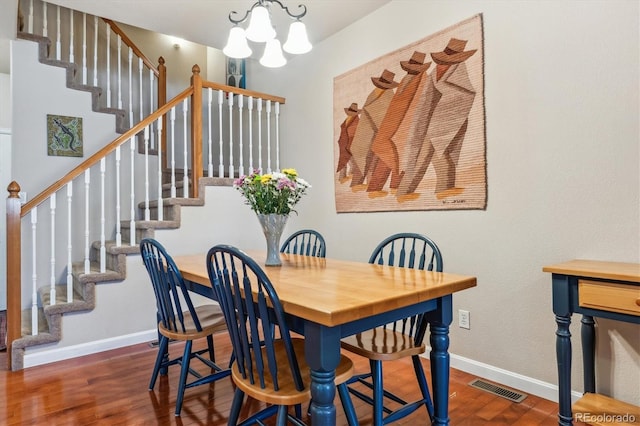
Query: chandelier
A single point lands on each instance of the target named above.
(261, 30)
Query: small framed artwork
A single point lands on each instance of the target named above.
(236, 75)
(64, 136)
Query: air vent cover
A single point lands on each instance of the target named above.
(498, 390)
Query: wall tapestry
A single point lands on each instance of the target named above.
(64, 136)
(409, 127)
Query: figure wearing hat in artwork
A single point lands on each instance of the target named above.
(386, 151)
(373, 112)
(438, 132)
(347, 132)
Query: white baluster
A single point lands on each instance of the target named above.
(45, 20)
(132, 220)
(185, 178)
(71, 37)
(147, 213)
(119, 72)
(108, 29)
(260, 135)
(69, 243)
(87, 182)
(230, 103)
(155, 141)
(277, 122)
(30, 24)
(118, 214)
(130, 87)
(269, 136)
(34, 273)
(160, 200)
(140, 68)
(221, 165)
(250, 107)
(52, 260)
(173, 152)
(240, 160)
(84, 48)
(209, 141)
(95, 51)
(58, 41)
(103, 248)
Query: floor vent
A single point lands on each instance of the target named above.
(498, 390)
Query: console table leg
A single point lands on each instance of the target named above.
(563, 356)
(588, 335)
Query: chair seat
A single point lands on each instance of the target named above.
(382, 344)
(211, 321)
(287, 393)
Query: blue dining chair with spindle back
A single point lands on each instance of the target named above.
(180, 320)
(269, 363)
(396, 340)
(307, 242)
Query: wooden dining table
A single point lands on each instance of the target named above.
(328, 299)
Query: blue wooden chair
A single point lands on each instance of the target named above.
(179, 320)
(306, 242)
(269, 364)
(399, 339)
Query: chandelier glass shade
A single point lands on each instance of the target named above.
(261, 30)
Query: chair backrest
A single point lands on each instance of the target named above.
(306, 242)
(172, 295)
(409, 250)
(256, 324)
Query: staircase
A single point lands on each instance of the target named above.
(106, 261)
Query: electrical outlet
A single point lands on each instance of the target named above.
(23, 197)
(464, 319)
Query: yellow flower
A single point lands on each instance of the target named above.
(265, 178)
(291, 172)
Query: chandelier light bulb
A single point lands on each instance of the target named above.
(260, 29)
(237, 46)
(273, 57)
(297, 41)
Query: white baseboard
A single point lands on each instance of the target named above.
(508, 378)
(59, 354)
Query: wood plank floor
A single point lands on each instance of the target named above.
(111, 388)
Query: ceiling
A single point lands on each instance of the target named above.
(200, 21)
(206, 21)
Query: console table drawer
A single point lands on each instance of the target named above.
(611, 297)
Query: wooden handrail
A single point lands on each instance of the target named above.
(95, 158)
(14, 282)
(130, 44)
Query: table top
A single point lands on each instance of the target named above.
(597, 269)
(333, 292)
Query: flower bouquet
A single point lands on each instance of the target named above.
(273, 196)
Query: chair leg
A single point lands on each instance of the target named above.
(184, 371)
(236, 405)
(281, 419)
(162, 354)
(378, 392)
(347, 405)
(212, 355)
(422, 382)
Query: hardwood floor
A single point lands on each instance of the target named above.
(110, 388)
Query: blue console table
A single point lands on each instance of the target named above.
(593, 289)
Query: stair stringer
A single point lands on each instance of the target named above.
(84, 284)
(44, 44)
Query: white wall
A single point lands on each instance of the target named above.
(5, 176)
(561, 95)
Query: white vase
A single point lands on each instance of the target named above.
(272, 226)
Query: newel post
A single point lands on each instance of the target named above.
(196, 130)
(162, 100)
(14, 284)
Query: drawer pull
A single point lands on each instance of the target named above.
(638, 302)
